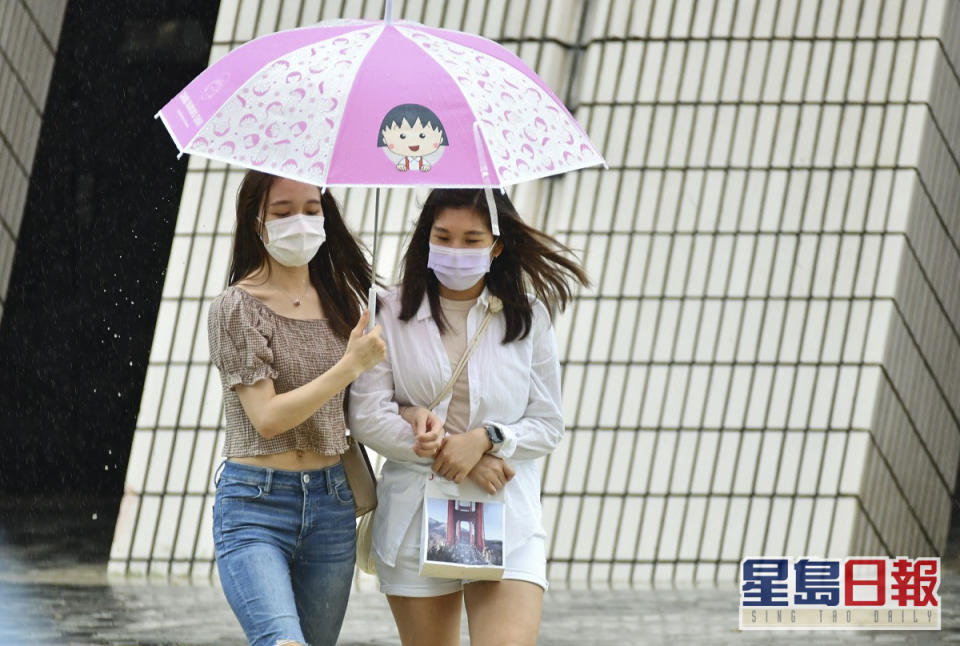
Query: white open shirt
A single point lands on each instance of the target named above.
(515, 386)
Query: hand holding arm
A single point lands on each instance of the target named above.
(427, 428)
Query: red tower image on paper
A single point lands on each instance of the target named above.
(462, 531)
(465, 523)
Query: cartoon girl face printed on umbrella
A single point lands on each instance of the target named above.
(412, 137)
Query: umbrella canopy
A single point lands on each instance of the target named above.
(378, 103)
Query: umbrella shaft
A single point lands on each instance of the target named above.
(376, 220)
(372, 295)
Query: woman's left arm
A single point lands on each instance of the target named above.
(539, 430)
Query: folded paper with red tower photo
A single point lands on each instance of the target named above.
(463, 531)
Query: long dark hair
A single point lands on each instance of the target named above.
(339, 272)
(529, 261)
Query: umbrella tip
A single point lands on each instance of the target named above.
(388, 11)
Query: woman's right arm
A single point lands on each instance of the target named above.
(272, 414)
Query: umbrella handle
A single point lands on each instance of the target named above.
(372, 306)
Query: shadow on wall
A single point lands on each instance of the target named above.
(96, 233)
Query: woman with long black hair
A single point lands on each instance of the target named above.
(502, 413)
(287, 337)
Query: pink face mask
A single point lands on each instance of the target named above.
(459, 269)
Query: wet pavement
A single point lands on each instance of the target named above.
(54, 590)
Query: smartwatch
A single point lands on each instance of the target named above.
(495, 435)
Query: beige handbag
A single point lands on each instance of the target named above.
(360, 477)
(365, 527)
(365, 544)
(363, 484)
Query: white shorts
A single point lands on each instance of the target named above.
(527, 562)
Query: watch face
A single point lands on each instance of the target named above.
(494, 433)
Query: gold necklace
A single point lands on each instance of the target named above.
(303, 292)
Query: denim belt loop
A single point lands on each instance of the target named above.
(268, 480)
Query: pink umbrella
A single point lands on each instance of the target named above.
(379, 103)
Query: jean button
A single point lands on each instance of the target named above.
(306, 478)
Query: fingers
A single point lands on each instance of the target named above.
(480, 476)
(430, 425)
(428, 437)
(444, 468)
(419, 428)
(427, 444)
(424, 453)
(361, 324)
(433, 421)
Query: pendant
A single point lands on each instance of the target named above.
(296, 303)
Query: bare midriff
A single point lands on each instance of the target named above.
(296, 460)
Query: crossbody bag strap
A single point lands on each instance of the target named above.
(495, 306)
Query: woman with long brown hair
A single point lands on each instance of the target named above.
(502, 413)
(287, 337)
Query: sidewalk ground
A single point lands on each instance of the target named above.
(53, 591)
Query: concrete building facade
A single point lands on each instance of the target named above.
(768, 361)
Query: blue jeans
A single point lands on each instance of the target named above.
(286, 545)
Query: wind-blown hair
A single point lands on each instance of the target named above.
(339, 272)
(530, 261)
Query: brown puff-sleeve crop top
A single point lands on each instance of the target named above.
(250, 342)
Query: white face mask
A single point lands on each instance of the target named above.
(293, 241)
(459, 269)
